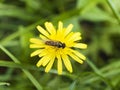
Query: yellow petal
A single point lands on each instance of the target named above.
(68, 29)
(50, 64)
(42, 60)
(36, 52)
(78, 54)
(60, 26)
(41, 30)
(49, 26)
(80, 45)
(75, 37)
(75, 58)
(48, 58)
(43, 37)
(68, 37)
(39, 63)
(44, 53)
(36, 41)
(59, 64)
(67, 63)
(36, 46)
(59, 33)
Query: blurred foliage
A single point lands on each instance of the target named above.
(99, 24)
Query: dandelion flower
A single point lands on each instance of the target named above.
(57, 44)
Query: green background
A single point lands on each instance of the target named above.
(97, 20)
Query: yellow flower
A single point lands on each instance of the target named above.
(57, 44)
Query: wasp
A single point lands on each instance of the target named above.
(57, 44)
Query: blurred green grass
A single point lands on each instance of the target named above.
(97, 20)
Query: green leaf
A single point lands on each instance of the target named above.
(96, 14)
(72, 86)
(13, 11)
(28, 74)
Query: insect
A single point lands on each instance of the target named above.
(57, 44)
